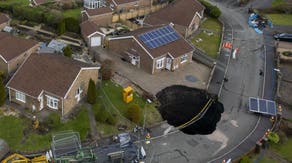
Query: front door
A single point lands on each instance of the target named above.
(41, 102)
(168, 63)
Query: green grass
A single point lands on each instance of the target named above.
(114, 93)
(267, 160)
(284, 149)
(12, 2)
(210, 43)
(277, 3)
(12, 131)
(280, 19)
(75, 13)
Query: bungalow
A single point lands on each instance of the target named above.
(13, 51)
(4, 21)
(91, 34)
(51, 81)
(153, 48)
(186, 16)
(120, 5)
(101, 16)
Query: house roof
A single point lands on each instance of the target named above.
(3, 18)
(11, 46)
(119, 2)
(88, 28)
(98, 11)
(285, 45)
(46, 72)
(175, 48)
(179, 12)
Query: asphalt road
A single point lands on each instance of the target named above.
(236, 122)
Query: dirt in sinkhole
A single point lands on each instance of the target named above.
(179, 104)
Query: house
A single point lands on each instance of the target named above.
(101, 16)
(4, 21)
(51, 81)
(91, 34)
(93, 4)
(121, 5)
(153, 48)
(186, 16)
(13, 51)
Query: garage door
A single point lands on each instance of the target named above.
(95, 41)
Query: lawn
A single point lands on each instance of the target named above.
(277, 3)
(280, 19)
(12, 2)
(12, 130)
(74, 13)
(208, 40)
(284, 149)
(112, 100)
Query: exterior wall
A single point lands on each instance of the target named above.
(194, 25)
(132, 5)
(146, 63)
(3, 25)
(176, 63)
(16, 62)
(82, 81)
(102, 20)
(88, 40)
(45, 94)
(29, 101)
(3, 66)
(155, 70)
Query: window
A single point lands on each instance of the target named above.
(160, 63)
(20, 96)
(184, 58)
(52, 102)
(79, 91)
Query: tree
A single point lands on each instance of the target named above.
(61, 28)
(101, 114)
(68, 51)
(72, 25)
(2, 93)
(134, 113)
(91, 92)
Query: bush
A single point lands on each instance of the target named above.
(2, 92)
(61, 28)
(134, 113)
(72, 25)
(280, 9)
(91, 92)
(106, 70)
(245, 159)
(112, 120)
(287, 53)
(273, 137)
(68, 51)
(212, 11)
(51, 122)
(101, 114)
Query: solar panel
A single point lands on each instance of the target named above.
(262, 106)
(159, 37)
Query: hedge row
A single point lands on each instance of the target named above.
(281, 9)
(212, 11)
(41, 15)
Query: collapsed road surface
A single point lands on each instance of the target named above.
(192, 110)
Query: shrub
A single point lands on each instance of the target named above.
(106, 69)
(273, 137)
(212, 11)
(61, 28)
(287, 53)
(68, 51)
(245, 159)
(91, 92)
(101, 114)
(2, 92)
(51, 122)
(112, 120)
(72, 25)
(134, 113)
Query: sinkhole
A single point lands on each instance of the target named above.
(192, 110)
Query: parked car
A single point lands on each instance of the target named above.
(283, 37)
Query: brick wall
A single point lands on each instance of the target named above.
(29, 101)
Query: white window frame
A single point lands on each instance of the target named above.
(52, 102)
(20, 96)
(78, 91)
(160, 63)
(184, 58)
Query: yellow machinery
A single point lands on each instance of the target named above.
(128, 94)
(17, 158)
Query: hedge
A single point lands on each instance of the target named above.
(212, 11)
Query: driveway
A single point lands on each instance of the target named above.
(192, 75)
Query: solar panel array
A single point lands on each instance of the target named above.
(159, 37)
(262, 106)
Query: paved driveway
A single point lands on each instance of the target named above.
(198, 74)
